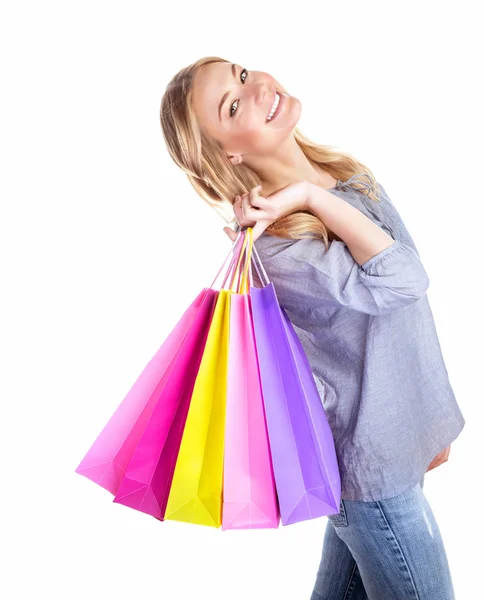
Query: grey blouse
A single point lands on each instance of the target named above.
(370, 338)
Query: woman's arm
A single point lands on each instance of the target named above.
(363, 237)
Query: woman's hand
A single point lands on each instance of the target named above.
(252, 210)
(439, 459)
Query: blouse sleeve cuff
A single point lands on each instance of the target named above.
(389, 252)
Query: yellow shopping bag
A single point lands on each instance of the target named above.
(196, 490)
(197, 486)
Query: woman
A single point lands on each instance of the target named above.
(350, 278)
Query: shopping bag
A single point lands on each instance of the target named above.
(166, 381)
(196, 489)
(147, 478)
(302, 446)
(195, 494)
(108, 457)
(249, 494)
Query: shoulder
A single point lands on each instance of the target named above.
(308, 257)
(382, 194)
(270, 246)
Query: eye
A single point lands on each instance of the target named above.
(243, 72)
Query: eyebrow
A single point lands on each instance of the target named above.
(224, 97)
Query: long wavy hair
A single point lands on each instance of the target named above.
(217, 181)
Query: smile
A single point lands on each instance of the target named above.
(276, 107)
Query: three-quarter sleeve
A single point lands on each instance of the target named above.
(305, 275)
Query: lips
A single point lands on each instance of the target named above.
(279, 106)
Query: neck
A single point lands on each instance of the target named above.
(288, 165)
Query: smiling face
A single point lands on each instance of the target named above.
(245, 99)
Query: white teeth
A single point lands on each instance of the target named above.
(274, 107)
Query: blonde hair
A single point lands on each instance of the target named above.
(217, 181)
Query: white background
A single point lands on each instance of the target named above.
(104, 244)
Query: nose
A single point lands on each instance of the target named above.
(262, 91)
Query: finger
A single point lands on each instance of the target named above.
(239, 213)
(247, 216)
(251, 212)
(254, 196)
(231, 233)
(246, 210)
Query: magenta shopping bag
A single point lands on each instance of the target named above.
(158, 401)
(162, 380)
(249, 494)
(302, 445)
(147, 479)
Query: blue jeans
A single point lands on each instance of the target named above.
(385, 550)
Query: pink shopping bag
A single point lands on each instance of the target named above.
(249, 494)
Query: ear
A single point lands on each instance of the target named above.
(236, 159)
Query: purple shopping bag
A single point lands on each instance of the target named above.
(302, 445)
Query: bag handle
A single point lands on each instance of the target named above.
(231, 252)
(265, 276)
(244, 287)
(237, 251)
(248, 261)
(236, 274)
